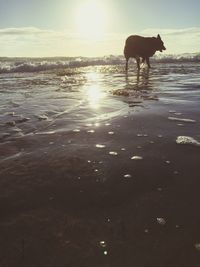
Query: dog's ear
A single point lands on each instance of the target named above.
(158, 36)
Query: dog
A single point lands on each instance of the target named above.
(142, 47)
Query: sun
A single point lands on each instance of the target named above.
(91, 19)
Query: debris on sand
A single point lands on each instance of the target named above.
(113, 153)
(151, 97)
(11, 123)
(42, 117)
(161, 221)
(22, 119)
(100, 146)
(187, 140)
(121, 92)
(142, 135)
(102, 244)
(197, 246)
(137, 158)
(127, 176)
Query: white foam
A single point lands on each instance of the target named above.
(181, 119)
(13, 65)
(100, 146)
(187, 140)
(137, 158)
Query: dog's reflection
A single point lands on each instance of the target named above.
(140, 81)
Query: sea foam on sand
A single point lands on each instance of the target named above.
(187, 140)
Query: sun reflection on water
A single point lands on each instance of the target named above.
(94, 91)
(95, 95)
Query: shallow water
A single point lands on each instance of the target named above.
(47, 102)
(41, 105)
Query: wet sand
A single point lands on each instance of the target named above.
(108, 190)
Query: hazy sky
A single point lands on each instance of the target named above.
(96, 28)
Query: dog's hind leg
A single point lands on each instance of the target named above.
(127, 64)
(148, 63)
(143, 62)
(138, 62)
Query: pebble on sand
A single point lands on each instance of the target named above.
(127, 176)
(100, 146)
(102, 244)
(161, 221)
(113, 153)
(137, 158)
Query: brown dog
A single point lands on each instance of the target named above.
(142, 47)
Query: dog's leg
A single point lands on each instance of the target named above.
(143, 61)
(148, 63)
(127, 64)
(138, 62)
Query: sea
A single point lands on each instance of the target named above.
(62, 94)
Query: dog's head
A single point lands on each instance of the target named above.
(159, 43)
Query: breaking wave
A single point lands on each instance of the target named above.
(20, 65)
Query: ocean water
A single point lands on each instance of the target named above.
(67, 99)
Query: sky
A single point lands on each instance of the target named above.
(50, 28)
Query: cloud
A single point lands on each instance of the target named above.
(26, 32)
(168, 32)
(23, 31)
(32, 41)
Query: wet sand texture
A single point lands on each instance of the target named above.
(100, 169)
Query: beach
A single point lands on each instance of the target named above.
(99, 168)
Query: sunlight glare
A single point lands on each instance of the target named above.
(95, 96)
(94, 91)
(91, 19)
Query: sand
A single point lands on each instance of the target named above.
(111, 188)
